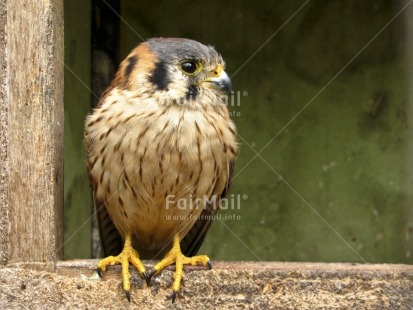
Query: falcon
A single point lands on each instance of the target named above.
(160, 153)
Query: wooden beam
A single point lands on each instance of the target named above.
(78, 266)
(31, 119)
(229, 285)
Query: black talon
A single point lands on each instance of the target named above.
(149, 275)
(147, 278)
(99, 272)
(173, 296)
(127, 293)
(209, 265)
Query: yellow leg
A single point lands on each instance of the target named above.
(128, 255)
(175, 256)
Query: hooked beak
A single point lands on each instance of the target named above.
(222, 82)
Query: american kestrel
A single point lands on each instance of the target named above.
(160, 153)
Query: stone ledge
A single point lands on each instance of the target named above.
(230, 285)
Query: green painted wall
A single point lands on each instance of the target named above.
(77, 205)
(340, 145)
(333, 181)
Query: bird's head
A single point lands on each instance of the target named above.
(176, 71)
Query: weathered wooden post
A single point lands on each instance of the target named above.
(31, 135)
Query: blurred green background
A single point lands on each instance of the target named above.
(324, 120)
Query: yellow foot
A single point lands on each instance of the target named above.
(128, 255)
(175, 256)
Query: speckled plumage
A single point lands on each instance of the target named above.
(158, 132)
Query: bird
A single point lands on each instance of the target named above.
(161, 148)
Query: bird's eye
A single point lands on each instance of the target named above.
(190, 67)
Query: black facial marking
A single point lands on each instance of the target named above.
(131, 64)
(192, 92)
(160, 76)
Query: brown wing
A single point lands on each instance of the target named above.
(110, 239)
(191, 243)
